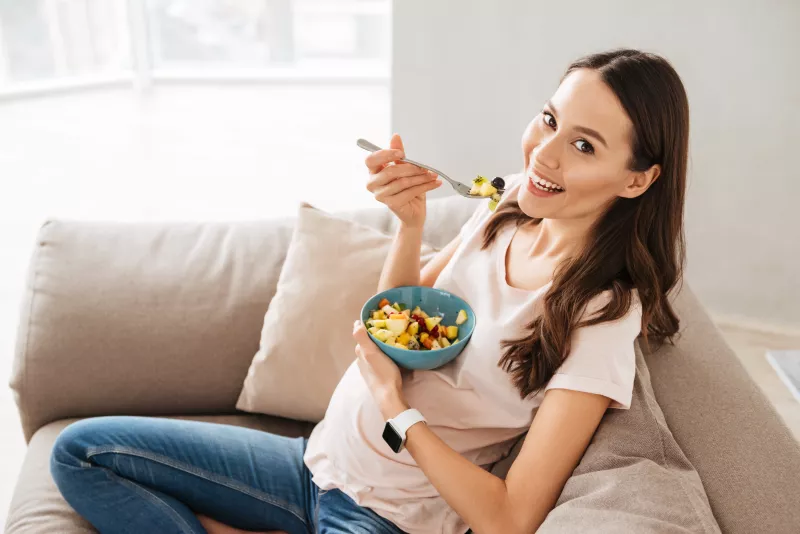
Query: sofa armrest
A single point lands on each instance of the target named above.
(746, 456)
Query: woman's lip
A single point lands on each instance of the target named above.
(538, 192)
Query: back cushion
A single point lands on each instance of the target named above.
(155, 319)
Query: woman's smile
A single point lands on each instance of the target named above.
(541, 187)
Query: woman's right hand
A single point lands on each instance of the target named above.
(401, 186)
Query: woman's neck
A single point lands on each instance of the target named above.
(558, 239)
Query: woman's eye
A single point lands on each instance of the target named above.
(584, 146)
(549, 119)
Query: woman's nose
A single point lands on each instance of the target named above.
(547, 153)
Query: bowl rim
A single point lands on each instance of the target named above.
(436, 289)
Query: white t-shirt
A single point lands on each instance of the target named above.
(470, 403)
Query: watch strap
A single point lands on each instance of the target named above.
(405, 420)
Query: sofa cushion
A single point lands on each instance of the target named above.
(156, 318)
(37, 506)
(332, 268)
(633, 477)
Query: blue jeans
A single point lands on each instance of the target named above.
(139, 474)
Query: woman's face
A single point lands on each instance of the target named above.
(581, 144)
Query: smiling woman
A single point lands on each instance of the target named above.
(606, 164)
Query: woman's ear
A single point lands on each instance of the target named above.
(641, 181)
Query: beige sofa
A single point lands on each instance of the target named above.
(164, 319)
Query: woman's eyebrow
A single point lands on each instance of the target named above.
(582, 129)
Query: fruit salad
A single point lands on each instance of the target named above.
(397, 326)
(493, 190)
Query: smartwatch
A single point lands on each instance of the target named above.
(394, 433)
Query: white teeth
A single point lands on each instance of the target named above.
(544, 185)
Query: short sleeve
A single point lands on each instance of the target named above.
(602, 358)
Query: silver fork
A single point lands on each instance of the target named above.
(461, 188)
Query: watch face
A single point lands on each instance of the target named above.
(392, 438)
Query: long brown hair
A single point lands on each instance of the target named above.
(636, 244)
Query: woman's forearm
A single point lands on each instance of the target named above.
(403, 263)
(478, 496)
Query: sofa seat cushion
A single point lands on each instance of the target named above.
(37, 506)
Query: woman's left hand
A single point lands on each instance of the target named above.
(382, 375)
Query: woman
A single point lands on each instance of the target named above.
(576, 262)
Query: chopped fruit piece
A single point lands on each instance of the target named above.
(456, 341)
(397, 323)
(492, 205)
(399, 326)
(383, 302)
(477, 183)
(462, 317)
(383, 335)
(487, 190)
(431, 322)
(496, 197)
(499, 183)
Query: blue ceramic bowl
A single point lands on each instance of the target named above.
(434, 302)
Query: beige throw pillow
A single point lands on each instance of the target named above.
(332, 268)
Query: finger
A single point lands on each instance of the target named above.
(376, 161)
(396, 143)
(405, 197)
(363, 366)
(389, 174)
(401, 184)
(360, 334)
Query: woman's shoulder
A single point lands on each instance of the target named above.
(631, 319)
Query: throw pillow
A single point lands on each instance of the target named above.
(332, 268)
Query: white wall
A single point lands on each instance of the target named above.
(468, 76)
